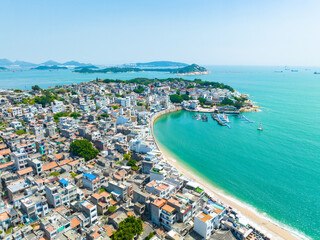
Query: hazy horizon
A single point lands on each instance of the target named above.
(246, 33)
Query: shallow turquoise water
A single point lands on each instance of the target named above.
(276, 171)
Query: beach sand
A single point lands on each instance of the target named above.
(276, 231)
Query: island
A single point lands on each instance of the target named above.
(54, 67)
(192, 69)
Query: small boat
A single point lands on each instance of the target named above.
(316, 73)
(204, 117)
(194, 116)
(260, 128)
(199, 117)
(294, 70)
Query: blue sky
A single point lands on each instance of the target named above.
(210, 32)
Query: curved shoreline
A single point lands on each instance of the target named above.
(269, 225)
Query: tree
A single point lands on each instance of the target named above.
(128, 229)
(238, 104)
(104, 115)
(227, 101)
(61, 91)
(112, 209)
(149, 236)
(54, 174)
(175, 98)
(140, 89)
(185, 97)
(20, 132)
(44, 100)
(59, 115)
(83, 148)
(202, 100)
(75, 115)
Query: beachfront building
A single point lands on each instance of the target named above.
(204, 225)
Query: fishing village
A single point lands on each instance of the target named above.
(80, 162)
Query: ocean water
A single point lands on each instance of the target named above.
(276, 171)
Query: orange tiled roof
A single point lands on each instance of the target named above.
(49, 166)
(66, 161)
(113, 202)
(159, 202)
(168, 208)
(25, 171)
(4, 216)
(130, 214)
(75, 222)
(109, 229)
(96, 195)
(6, 165)
(105, 194)
(5, 151)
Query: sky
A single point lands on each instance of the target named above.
(207, 32)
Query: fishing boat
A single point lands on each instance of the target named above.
(204, 117)
(260, 128)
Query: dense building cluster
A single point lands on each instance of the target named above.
(53, 188)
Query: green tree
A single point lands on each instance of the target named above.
(104, 115)
(202, 100)
(140, 89)
(45, 99)
(36, 88)
(20, 132)
(75, 115)
(149, 236)
(175, 98)
(83, 148)
(185, 97)
(112, 209)
(58, 115)
(238, 104)
(128, 229)
(227, 101)
(54, 174)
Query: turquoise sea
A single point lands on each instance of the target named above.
(276, 171)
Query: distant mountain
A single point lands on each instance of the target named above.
(54, 67)
(24, 64)
(50, 63)
(5, 62)
(158, 64)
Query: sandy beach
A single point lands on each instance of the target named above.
(273, 229)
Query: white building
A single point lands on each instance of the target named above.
(139, 146)
(20, 160)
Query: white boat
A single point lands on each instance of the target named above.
(223, 118)
(260, 128)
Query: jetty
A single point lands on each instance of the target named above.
(219, 121)
(245, 118)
